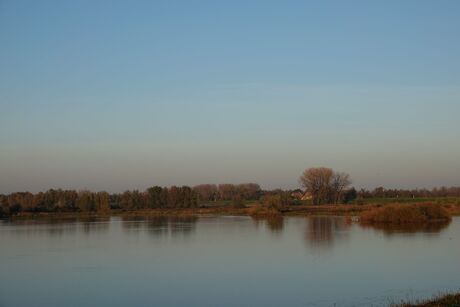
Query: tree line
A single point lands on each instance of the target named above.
(321, 186)
(326, 186)
(58, 200)
(381, 192)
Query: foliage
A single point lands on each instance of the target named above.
(227, 191)
(350, 195)
(277, 200)
(324, 184)
(87, 201)
(409, 213)
(383, 193)
(238, 202)
(263, 211)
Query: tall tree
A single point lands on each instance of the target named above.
(102, 201)
(340, 181)
(325, 185)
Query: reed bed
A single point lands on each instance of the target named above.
(406, 213)
(446, 300)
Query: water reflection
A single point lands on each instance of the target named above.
(309, 261)
(92, 225)
(161, 226)
(274, 224)
(409, 228)
(324, 231)
(54, 227)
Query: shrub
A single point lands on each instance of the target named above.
(238, 202)
(399, 214)
(264, 211)
(431, 212)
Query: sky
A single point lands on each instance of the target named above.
(116, 95)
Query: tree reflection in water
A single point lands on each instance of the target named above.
(273, 223)
(91, 224)
(324, 231)
(56, 227)
(408, 228)
(161, 226)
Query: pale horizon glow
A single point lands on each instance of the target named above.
(127, 95)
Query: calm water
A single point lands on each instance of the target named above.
(223, 261)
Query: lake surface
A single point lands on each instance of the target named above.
(223, 261)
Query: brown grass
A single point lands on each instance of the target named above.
(448, 300)
(406, 213)
(453, 209)
(327, 209)
(264, 211)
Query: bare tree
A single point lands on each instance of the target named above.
(206, 192)
(324, 184)
(317, 181)
(340, 181)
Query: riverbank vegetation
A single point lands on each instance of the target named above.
(446, 300)
(406, 213)
(185, 197)
(325, 192)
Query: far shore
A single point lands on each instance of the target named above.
(227, 210)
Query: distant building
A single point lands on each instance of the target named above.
(306, 196)
(301, 195)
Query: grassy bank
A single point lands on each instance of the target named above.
(447, 300)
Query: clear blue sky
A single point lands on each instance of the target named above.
(114, 95)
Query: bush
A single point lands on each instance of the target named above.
(238, 202)
(350, 196)
(431, 212)
(277, 201)
(264, 211)
(399, 214)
